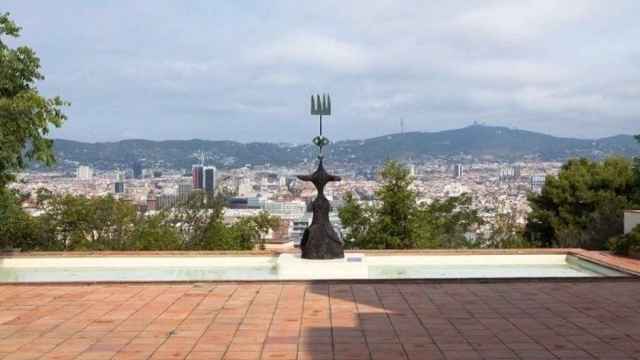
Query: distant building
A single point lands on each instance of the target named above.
(237, 203)
(510, 173)
(412, 170)
(288, 209)
(166, 201)
(152, 201)
(157, 174)
(517, 171)
(458, 171)
(137, 170)
(119, 184)
(254, 202)
(84, 173)
(184, 192)
(536, 182)
(298, 227)
(209, 179)
(245, 188)
(197, 176)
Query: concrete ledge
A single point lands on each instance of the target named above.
(530, 251)
(352, 266)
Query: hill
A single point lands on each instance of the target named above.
(476, 141)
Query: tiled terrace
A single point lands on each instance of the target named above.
(502, 320)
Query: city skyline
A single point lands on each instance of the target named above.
(244, 71)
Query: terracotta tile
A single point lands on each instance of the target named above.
(205, 356)
(525, 320)
(166, 355)
(279, 355)
(242, 355)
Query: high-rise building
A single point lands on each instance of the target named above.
(166, 201)
(510, 173)
(209, 179)
(119, 184)
(458, 170)
(517, 171)
(137, 170)
(184, 191)
(84, 173)
(537, 182)
(197, 176)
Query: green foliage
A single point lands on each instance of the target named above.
(200, 222)
(356, 220)
(398, 203)
(400, 223)
(25, 116)
(506, 233)
(155, 232)
(17, 229)
(444, 223)
(263, 223)
(583, 206)
(80, 223)
(624, 244)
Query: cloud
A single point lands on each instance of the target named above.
(522, 20)
(311, 50)
(245, 70)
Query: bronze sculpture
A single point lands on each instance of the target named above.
(320, 240)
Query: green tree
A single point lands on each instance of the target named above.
(445, 223)
(356, 220)
(398, 222)
(398, 203)
(582, 206)
(112, 221)
(506, 233)
(18, 230)
(242, 235)
(263, 223)
(80, 223)
(25, 115)
(200, 221)
(155, 233)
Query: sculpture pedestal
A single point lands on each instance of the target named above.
(294, 267)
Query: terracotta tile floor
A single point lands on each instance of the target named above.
(509, 320)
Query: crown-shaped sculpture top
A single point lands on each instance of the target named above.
(321, 106)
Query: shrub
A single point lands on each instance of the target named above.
(624, 244)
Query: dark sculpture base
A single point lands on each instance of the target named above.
(320, 240)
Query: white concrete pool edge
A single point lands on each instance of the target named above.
(205, 261)
(290, 267)
(135, 261)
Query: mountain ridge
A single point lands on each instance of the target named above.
(477, 141)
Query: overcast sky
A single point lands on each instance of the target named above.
(244, 70)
